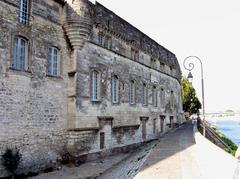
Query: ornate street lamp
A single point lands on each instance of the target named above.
(190, 67)
(190, 77)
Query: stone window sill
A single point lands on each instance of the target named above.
(53, 77)
(13, 70)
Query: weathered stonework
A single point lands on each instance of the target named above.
(48, 116)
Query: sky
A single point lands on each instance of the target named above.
(209, 29)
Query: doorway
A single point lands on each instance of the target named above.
(171, 121)
(162, 118)
(102, 140)
(144, 127)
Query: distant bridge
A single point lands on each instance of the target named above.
(223, 114)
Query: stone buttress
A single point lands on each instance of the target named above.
(77, 26)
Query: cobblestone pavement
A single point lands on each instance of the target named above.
(130, 167)
(87, 170)
(171, 158)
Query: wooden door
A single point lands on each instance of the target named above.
(154, 127)
(171, 121)
(162, 123)
(144, 129)
(102, 140)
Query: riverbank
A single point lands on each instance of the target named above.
(229, 127)
(233, 147)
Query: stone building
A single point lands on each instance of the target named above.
(77, 80)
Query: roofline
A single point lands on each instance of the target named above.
(97, 3)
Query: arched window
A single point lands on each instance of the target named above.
(20, 52)
(95, 80)
(23, 11)
(53, 61)
(132, 92)
(144, 94)
(115, 89)
(154, 96)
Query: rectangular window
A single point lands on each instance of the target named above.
(153, 62)
(172, 99)
(162, 99)
(115, 89)
(171, 70)
(53, 61)
(100, 39)
(19, 53)
(154, 96)
(144, 95)
(162, 66)
(132, 92)
(23, 11)
(104, 40)
(107, 42)
(134, 54)
(95, 85)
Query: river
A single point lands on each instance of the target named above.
(230, 127)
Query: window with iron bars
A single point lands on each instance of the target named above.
(53, 61)
(154, 96)
(144, 95)
(115, 89)
(23, 11)
(104, 40)
(132, 92)
(95, 82)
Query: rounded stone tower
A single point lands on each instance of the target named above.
(77, 26)
(78, 22)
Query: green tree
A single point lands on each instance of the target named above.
(191, 103)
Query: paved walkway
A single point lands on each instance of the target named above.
(180, 154)
(213, 161)
(173, 157)
(186, 154)
(130, 167)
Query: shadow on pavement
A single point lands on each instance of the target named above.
(165, 157)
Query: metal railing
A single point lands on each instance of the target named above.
(210, 130)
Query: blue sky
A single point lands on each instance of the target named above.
(209, 29)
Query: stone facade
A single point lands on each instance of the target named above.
(49, 116)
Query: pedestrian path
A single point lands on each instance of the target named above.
(180, 154)
(186, 154)
(173, 157)
(212, 160)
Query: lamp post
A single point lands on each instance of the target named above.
(190, 66)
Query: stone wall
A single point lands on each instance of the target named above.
(33, 104)
(118, 27)
(49, 116)
(123, 115)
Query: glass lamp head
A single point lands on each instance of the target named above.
(190, 77)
